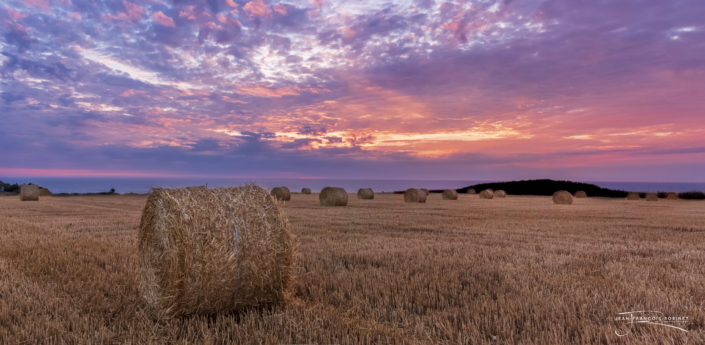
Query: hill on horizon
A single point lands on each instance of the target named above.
(546, 187)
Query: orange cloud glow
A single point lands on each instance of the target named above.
(259, 91)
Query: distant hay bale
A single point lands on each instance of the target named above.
(449, 194)
(471, 191)
(500, 194)
(204, 251)
(425, 191)
(672, 196)
(486, 194)
(29, 192)
(44, 191)
(562, 197)
(580, 194)
(305, 190)
(633, 196)
(365, 193)
(414, 195)
(281, 193)
(651, 197)
(333, 196)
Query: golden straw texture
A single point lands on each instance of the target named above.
(486, 194)
(333, 196)
(29, 192)
(562, 197)
(414, 195)
(450, 194)
(365, 193)
(203, 251)
(281, 193)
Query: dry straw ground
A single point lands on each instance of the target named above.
(380, 271)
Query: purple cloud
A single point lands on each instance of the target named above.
(363, 87)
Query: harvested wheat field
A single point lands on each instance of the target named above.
(523, 271)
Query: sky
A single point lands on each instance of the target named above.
(412, 89)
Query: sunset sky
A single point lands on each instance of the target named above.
(483, 90)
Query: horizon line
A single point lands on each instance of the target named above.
(20, 173)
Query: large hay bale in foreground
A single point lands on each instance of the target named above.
(580, 194)
(449, 194)
(305, 190)
(414, 195)
(203, 251)
(281, 193)
(562, 197)
(633, 196)
(672, 196)
(365, 193)
(500, 194)
(471, 191)
(29, 192)
(651, 197)
(486, 194)
(333, 196)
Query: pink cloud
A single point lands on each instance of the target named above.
(134, 11)
(28, 172)
(279, 8)
(163, 19)
(43, 4)
(259, 91)
(76, 16)
(18, 27)
(189, 12)
(257, 8)
(16, 15)
(347, 32)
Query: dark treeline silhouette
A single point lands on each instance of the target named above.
(110, 192)
(693, 195)
(546, 187)
(9, 188)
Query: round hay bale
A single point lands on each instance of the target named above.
(651, 197)
(562, 197)
(281, 193)
(580, 194)
(29, 192)
(44, 191)
(486, 194)
(305, 190)
(414, 195)
(471, 191)
(500, 194)
(204, 251)
(333, 196)
(633, 196)
(672, 196)
(365, 193)
(450, 194)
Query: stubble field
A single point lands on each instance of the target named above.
(518, 270)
